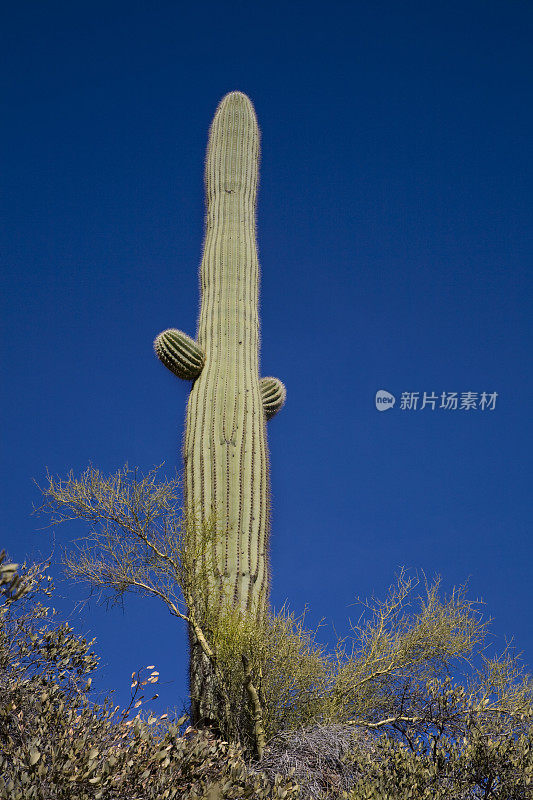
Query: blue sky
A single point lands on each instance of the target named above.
(394, 231)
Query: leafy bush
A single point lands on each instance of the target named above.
(414, 668)
(495, 766)
(444, 740)
(56, 745)
(450, 738)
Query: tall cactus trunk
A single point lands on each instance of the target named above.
(225, 453)
(225, 449)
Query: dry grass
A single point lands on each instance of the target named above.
(318, 758)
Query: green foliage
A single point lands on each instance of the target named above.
(269, 674)
(453, 730)
(290, 670)
(56, 745)
(393, 673)
(494, 766)
(443, 738)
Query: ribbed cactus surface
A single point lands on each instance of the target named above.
(179, 353)
(225, 450)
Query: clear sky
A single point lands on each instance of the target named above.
(395, 241)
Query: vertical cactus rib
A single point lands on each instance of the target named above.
(225, 450)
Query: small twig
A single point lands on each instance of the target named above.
(389, 721)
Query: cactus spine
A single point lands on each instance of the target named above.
(225, 449)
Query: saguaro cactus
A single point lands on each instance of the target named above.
(225, 450)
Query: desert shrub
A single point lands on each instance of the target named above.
(291, 671)
(479, 766)
(415, 666)
(442, 738)
(55, 744)
(456, 723)
(394, 673)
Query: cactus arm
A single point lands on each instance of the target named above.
(273, 395)
(179, 353)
